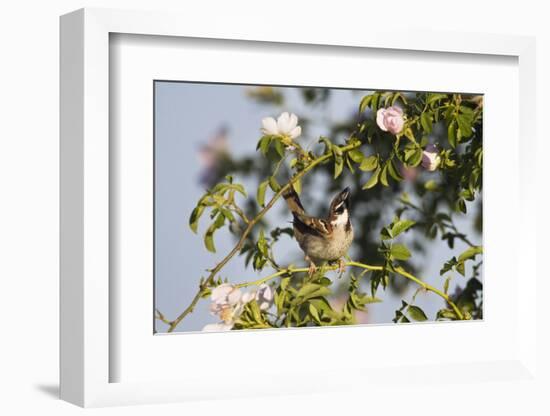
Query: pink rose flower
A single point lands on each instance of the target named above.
(390, 119)
(430, 158)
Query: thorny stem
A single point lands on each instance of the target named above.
(250, 225)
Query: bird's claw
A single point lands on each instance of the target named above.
(312, 268)
(341, 266)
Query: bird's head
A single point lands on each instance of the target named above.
(340, 207)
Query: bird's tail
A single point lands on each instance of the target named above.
(293, 201)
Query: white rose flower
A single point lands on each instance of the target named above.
(225, 300)
(286, 126)
(264, 297)
(226, 294)
(248, 296)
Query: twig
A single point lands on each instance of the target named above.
(240, 213)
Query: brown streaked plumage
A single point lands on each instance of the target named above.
(322, 239)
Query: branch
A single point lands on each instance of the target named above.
(290, 271)
(250, 225)
(398, 270)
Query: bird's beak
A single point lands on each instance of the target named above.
(345, 193)
(344, 196)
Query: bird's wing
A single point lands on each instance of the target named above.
(311, 225)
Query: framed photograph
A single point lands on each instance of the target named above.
(229, 202)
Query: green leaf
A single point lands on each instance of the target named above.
(273, 184)
(322, 305)
(369, 163)
(314, 314)
(426, 121)
(446, 284)
(396, 96)
(259, 261)
(280, 298)
(460, 268)
(356, 155)
(263, 144)
(400, 317)
(451, 134)
(227, 214)
(256, 312)
(435, 97)
(449, 112)
(195, 216)
(448, 266)
(297, 185)
(386, 234)
(280, 148)
(338, 166)
(262, 243)
(260, 195)
(311, 290)
(446, 314)
(470, 253)
(373, 180)
(364, 299)
(461, 205)
(365, 101)
(409, 134)
(394, 171)
(400, 252)
(236, 187)
(416, 313)
(348, 164)
(413, 156)
(400, 226)
(375, 101)
(464, 125)
(467, 112)
(384, 175)
(209, 239)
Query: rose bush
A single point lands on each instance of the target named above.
(431, 140)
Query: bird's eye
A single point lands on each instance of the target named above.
(340, 209)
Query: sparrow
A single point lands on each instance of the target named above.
(322, 239)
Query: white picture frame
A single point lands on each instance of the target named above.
(86, 166)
